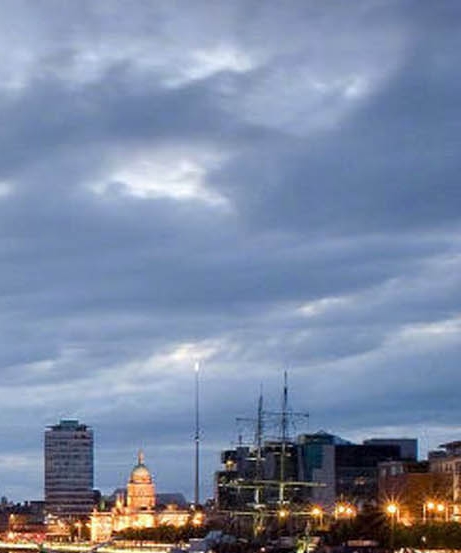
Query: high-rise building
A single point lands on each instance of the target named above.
(69, 469)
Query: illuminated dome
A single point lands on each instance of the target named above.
(140, 474)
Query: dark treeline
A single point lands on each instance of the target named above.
(165, 533)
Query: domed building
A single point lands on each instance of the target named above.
(140, 491)
(135, 508)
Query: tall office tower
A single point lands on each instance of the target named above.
(69, 469)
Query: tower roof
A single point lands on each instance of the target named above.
(140, 473)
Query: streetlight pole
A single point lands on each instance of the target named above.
(392, 531)
(442, 512)
(197, 438)
(428, 509)
(392, 510)
(317, 514)
(433, 511)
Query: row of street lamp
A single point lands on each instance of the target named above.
(432, 510)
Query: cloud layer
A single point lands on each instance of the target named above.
(255, 187)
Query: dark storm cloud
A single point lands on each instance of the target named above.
(180, 184)
(403, 172)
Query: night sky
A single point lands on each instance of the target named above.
(258, 186)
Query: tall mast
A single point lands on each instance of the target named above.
(259, 432)
(259, 443)
(197, 438)
(285, 408)
(284, 421)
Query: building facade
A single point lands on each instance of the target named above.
(239, 464)
(319, 469)
(69, 469)
(447, 460)
(249, 477)
(135, 508)
(356, 469)
(408, 446)
(316, 461)
(421, 495)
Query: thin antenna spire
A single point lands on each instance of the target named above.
(285, 407)
(259, 435)
(284, 424)
(259, 443)
(260, 421)
(197, 438)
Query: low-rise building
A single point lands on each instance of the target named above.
(447, 460)
(420, 495)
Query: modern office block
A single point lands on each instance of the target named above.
(408, 446)
(69, 469)
(356, 468)
(316, 459)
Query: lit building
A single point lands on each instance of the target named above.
(244, 464)
(447, 460)
(238, 464)
(412, 486)
(135, 508)
(69, 469)
(26, 519)
(140, 491)
(331, 468)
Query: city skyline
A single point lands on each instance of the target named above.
(245, 428)
(239, 184)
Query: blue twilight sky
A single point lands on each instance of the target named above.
(256, 185)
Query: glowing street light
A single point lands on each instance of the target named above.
(435, 509)
(197, 519)
(283, 513)
(317, 513)
(393, 510)
(344, 510)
